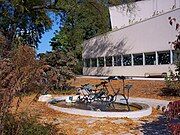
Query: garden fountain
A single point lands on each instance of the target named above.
(99, 103)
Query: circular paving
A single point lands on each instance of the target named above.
(145, 111)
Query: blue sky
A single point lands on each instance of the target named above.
(45, 45)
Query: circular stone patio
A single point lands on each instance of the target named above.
(146, 111)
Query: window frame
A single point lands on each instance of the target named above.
(134, 62)
(118, 60)
(150, 53)
(126, 56)
(161, 52)
(87, 65)
(99, 64)
(92, 62)
(108, 64)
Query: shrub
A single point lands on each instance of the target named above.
(25, 125)
(63, 67)
(172, 85)
(20, 74)
(173, 112)
(175, 129)
(176, 44)
(173, 80)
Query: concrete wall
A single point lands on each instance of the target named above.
(147, 36)
(144, 10)
(128, 70)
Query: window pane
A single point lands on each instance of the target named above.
(117, 60)
(109, 61)
(150, 58)
(176, 56)
(94, 62)
(164, 57)
(86, 62)
(138, 59)
(101, 62)
(127, 60)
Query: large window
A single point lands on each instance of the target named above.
(94, 62)
(86, 62)
(127, 60)
(176, 56)
(150, 58)
(117, 60)
(108, 61)
(138, 59)
(164, 57)
(101, 61)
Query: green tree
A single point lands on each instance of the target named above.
(82, 20)
(63, 67)
(24, 21)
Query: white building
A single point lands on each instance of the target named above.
(138, 44)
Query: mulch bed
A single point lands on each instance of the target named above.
(82, 125)
(141, 88)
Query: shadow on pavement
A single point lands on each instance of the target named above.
(158, 127)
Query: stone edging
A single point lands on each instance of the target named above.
(134, 114)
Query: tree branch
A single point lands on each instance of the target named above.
(47, 7)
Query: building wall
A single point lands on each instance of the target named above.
(147, 36)
(144, 10)
(129, 70)
(150, 35)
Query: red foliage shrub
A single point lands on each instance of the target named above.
(173, 112)
(20, 74)
(175, 129)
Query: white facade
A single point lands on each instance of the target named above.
(134, 45)
(144, 9)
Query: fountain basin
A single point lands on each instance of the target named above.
(145, 110)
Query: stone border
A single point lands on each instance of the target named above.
(135, 114)
(156, 103)
(128, 78)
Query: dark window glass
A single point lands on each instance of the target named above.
(138, 59)
(109, 61)
(117, 60)
(176, 56)
(150, 58)
(101, 62)
(94, 62)
(126, 60)
(164, 57)
(86, 62)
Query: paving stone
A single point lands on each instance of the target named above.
(56, 121)
(127, 134)
(119, 121)
(80, 130)
(98, 133)
(92, 120)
